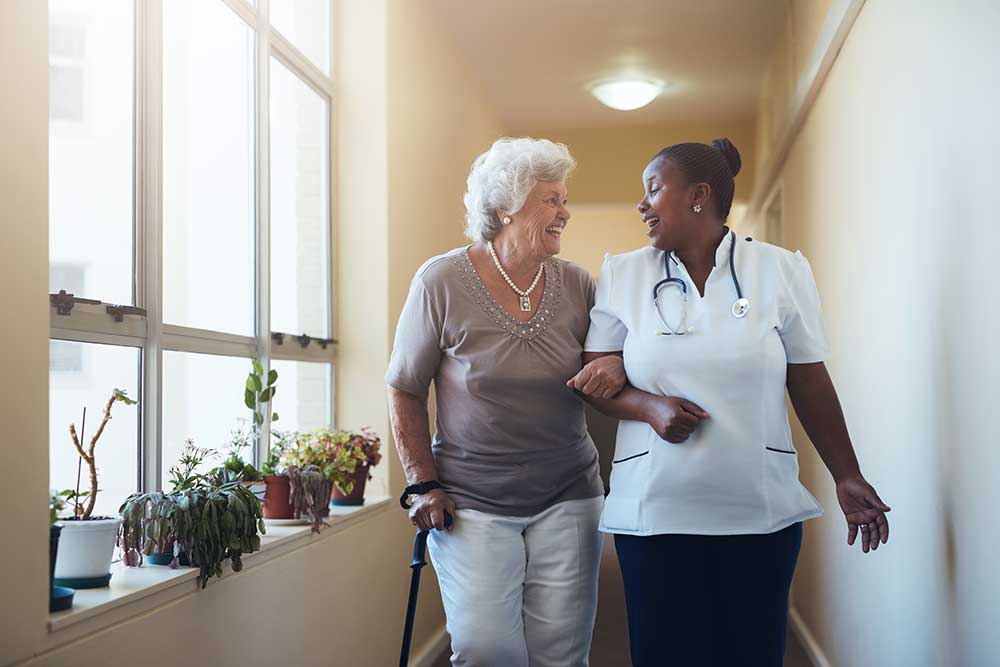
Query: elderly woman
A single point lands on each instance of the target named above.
(500, 326)
(706, 505)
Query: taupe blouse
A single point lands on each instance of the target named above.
(510, 436)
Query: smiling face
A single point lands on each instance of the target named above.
(666, 205)
(540, 223)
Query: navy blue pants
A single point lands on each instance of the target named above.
(704, 600)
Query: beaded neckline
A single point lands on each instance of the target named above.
(538, 323)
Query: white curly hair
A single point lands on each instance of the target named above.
(502, 177)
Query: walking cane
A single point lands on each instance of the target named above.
(419, 560)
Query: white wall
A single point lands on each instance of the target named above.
(24, 336)
(889, 191)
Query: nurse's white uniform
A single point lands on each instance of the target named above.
(738, 472)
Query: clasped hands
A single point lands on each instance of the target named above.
(673, 419)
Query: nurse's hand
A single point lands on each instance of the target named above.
(864, 511)
(674, 419)
(429, 508)
(601, 378)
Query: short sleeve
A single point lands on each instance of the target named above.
(416, 352)
(607, 332)
(802, 329)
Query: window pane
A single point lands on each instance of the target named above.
(303, 401)
(87, 381)
(203, 400)
(90, 145)
(208, 167)
(300, 220)
(306, 24)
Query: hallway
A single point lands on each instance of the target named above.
(195, 189)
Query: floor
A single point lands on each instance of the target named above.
(610, 644)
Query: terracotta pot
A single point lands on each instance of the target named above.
(357, 496)
(277, 497)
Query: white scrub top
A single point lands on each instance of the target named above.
(738, 473)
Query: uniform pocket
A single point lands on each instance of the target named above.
(780, 451)
(629, 458)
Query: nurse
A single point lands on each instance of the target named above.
(705, 504)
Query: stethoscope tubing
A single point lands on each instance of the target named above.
(670, 280)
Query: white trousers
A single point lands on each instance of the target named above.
(520, 591)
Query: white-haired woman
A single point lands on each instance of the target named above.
(499, 327)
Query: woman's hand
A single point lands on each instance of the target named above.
(674, 419)
(429, 508)
(601, 378)
(864, 511)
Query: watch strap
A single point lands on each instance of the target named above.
(416, 490)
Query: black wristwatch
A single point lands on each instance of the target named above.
(417, 490)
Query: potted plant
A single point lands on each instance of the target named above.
(258, 392)
(310, 494)
(87, 542)
(306, 460)
(362, 449)
(208, 517)
(278, 489)
(147, 518)
(60, 597)
(240, 439)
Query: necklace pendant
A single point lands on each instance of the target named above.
(526, 304)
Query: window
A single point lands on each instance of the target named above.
(208, 167)
(189, 226)
(306, 24)
(67, 53)
(104, 368)
(304, 402)
(90, 164)
(300, 243)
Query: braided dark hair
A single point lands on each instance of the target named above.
(716, 164)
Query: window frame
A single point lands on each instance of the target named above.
(90, 322)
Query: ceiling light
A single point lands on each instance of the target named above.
(626, 95)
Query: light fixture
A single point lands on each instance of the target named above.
(626, 95)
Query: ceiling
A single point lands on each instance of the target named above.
(534, 59)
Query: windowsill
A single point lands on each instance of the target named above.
(140, 589)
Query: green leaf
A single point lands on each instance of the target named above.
(274, 417)
(253, 382)
(250, 399)
(268, 394)
(258, 418)
(272, 376)
(257, 368)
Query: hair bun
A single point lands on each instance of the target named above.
(728, 150)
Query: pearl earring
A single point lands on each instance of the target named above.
(696, 208)
(506, 220)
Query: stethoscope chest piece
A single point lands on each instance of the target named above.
(741, 307)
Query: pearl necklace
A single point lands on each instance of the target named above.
(525, 298)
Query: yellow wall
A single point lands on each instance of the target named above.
(889, 191)
(409, 128)
(610, 160)
(439, 124)
(790, 57)
(24, 256)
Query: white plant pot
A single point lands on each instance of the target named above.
(85, 551)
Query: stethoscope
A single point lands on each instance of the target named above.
(740, 307)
